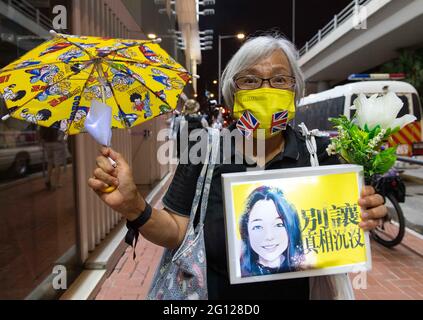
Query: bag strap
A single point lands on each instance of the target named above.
(310, 143)
(206, 191)
(203, 183)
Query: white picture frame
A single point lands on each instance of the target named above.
(279, 176)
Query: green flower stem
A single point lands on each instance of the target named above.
(363, 146)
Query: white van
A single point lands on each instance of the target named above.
(315, 109)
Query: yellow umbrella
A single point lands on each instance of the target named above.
(55, 84)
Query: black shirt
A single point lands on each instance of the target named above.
(179, 199)
(192, 121)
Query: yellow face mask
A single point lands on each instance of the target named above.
(265, 108)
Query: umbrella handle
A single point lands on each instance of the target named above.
(103, 98)
(112, 162)
(110, 189)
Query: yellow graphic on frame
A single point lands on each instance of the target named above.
(327, 212)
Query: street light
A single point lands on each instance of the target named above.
(163, 36)
(206, 38)
(214, 81)
(207, 32)
(206, 43)
(206, 12)
(239, 36)
(207, 3)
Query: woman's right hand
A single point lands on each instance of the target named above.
(125, 199)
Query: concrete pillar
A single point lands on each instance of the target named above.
(115, 26)
(91, 18)
(112, 24)
(84, 24)
(76, 16)
(194, 71)
(99, 17)
(104, 13)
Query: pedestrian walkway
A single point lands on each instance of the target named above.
(397, 273)
(131, 279)
(414, 174)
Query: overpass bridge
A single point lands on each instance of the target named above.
(366, 34)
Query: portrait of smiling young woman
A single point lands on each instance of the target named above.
(270, 234)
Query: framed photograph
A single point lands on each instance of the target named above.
(294, 223)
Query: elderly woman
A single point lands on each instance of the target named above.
(264, 70)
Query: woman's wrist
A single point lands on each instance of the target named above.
(138, 210)
(136, 221)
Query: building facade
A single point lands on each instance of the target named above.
(53, 239)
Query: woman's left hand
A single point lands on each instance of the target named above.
(372, 208)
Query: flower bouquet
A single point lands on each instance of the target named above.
(361, 140)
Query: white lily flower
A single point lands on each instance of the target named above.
(381, 111)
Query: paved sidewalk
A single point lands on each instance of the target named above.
(413, 174)
(131, 279)
(397, 273)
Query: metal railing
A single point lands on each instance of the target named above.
(410, 160)
(96, 219)
(335, 23)
(29, 11)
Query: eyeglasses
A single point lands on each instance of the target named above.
(251, 82)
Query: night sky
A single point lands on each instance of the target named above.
(255, 16)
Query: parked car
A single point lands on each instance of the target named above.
(18, 151)
(21, 150)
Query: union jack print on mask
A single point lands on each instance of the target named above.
(247, 124)
(279, 121)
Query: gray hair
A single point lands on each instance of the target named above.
(251, 52)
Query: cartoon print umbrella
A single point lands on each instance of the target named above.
(55, 84)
